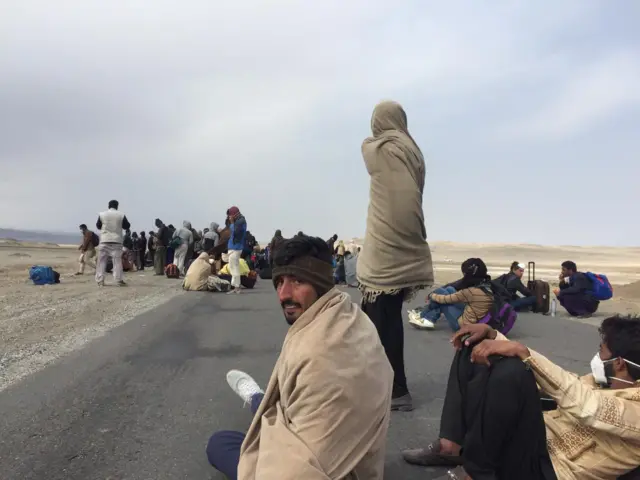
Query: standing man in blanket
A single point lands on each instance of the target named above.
(111, 223)
(396, 260)
(238, 228)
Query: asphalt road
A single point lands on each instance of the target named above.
(141, 402)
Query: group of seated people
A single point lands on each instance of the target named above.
(469, 299)
(509, 412)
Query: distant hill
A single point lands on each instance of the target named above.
(33, 236)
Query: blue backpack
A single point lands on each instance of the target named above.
(41, 275)
(602, 289)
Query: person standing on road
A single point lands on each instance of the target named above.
(163, 237)
(142, 250)
(238, 227)
(111, 223)
(396, 260)
(186, 242)
(87, 249)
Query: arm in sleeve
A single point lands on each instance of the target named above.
(125, 223)
(522, 289)
(580, 284)
(590, 406)
(86, 241)
(99, 223)
(458, 297)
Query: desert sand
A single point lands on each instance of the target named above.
(41, 323)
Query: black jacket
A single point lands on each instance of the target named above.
(514, 285)
(578, 283)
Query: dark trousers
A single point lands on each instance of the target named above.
(578, 304)
(223, 449)
(495, 414)
(140, 259)
(386, 315)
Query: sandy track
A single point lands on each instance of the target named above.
(40, 324)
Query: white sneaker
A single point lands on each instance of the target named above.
(242, 383)
(422, 323)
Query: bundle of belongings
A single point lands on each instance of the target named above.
(127, 266)
(248, 277)
(171, 271)
(42, 275)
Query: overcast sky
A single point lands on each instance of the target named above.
(528, 113)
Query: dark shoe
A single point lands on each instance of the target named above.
(431, 457)
(122, 283)
(457, 473)
(402, 404)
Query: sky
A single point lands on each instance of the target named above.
(527, 112)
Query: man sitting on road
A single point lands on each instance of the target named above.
(492, 422)
(325, 412)
(575, 292)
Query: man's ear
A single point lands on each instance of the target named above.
(619, 366)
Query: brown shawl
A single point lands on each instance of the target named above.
(326, 409)
(395, 255)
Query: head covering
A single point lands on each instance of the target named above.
(521, 266)
(214, 227)
(233, 211)
(396, 256)
(309, 269)
(186, 224)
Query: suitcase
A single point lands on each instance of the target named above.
(540, 289)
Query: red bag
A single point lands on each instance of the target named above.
(171, 271)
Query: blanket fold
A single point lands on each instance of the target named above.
(326, 408)
(395, 256)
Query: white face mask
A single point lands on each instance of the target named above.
(599, 372)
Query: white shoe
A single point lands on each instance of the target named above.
(242, 383)
(422, 323)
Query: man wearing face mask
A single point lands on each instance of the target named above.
(493, 425)
(326, 409)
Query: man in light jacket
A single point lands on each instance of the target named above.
(111, 223)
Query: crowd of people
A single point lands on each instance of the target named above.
(509, 412)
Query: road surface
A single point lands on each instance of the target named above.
(141, 402)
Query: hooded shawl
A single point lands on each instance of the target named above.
(326, 409)
(395, 255)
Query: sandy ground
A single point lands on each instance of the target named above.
(39, 324)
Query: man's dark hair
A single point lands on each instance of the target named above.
(83, 227)
(621, 334)
(569, 265)
(114, 204)
(301, 246)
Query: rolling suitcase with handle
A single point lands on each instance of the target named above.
(540, 289)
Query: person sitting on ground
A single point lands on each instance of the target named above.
(593, 432)
(512, 281)
(575, 292)
(87, 250)
(466, 302)
(326, 409)
(198, 273)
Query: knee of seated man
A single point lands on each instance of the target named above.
(508, 371)
(219, 445)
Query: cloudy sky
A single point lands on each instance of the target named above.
(528, 113)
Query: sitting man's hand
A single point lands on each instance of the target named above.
(556, 291)
(481, 352)
(475, 332)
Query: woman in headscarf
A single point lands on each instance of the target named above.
(396, 260)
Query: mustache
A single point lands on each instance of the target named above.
(290, 303)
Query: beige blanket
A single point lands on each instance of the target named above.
(198, 273)
(395, 254)
(326, 409)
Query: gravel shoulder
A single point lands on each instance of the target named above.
(39, 324)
